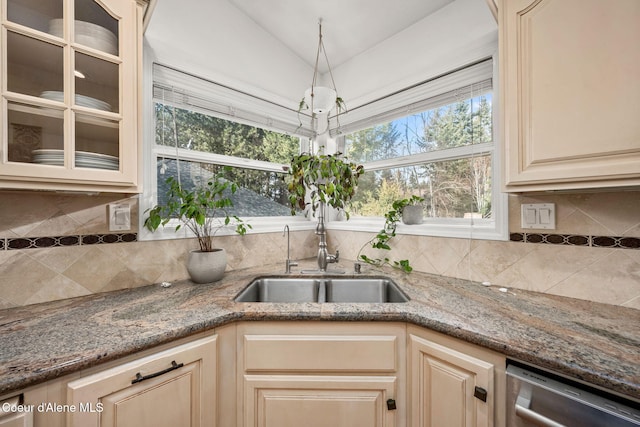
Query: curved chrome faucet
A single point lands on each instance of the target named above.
(289, 263)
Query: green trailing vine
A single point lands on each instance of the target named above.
(388, 232)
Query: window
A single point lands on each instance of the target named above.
(452, 188)
(435, 139)
(262, 188)
(443, 151)
(200, 128)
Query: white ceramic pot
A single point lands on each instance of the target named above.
(205, 267)
(412, 214)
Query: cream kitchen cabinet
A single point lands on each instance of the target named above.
(570, 93)
(38, 405)
(284, 373)
(14, 413)
(175, 387)
(70, 94)
(321, 374)
(204, 386)
(453, 384)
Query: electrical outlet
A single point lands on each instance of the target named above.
(119, 217)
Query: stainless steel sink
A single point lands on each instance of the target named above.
(323, 289)
(364, 290)
(275, 289)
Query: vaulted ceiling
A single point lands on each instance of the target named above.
(268, 47)
(350, 27)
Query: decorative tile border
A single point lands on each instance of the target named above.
(577, 240)
(98, 239)
(616, 242)
(60, 241)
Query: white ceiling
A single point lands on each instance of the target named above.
(349, 27)
(268, 47)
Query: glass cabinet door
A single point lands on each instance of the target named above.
(35, 14)
(35, 67)
(36, 134)
(63, 92)
(94, 27)
(96, 137)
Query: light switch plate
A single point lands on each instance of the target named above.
(538, 215)
(119, 217)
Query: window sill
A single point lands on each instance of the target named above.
(482, 229)
(260, 225)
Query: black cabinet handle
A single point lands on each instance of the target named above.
(139, 377)
(480, 393)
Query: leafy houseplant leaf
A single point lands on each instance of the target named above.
(380, 240)
(197, 209)
(325, 178)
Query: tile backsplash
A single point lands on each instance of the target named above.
(38, 214)
(593, 254)
(594, 214)
(55, 246)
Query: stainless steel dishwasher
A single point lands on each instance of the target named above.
(539, 398)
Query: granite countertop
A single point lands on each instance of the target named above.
(597, 343)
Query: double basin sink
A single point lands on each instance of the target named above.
(323, 289)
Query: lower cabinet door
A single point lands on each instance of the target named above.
(172, 388)
(15, 413)
(448, 388)
(318, 401)
(17, 420)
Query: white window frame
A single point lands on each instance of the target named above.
(242, 109)
(494, 228)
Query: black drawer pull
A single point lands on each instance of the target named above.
(173, 367)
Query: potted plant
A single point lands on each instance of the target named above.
(411, 209)
(204, 211)
(330, 179)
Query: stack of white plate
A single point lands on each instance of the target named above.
(83, 159)
(96, 161)
(88, 34)
(82, 100)
(48, 157)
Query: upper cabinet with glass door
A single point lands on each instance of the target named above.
(70, 94)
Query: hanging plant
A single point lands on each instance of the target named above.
(328, 97)
(330, 179)
(340, 108)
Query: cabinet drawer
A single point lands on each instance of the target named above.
(319, 353)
